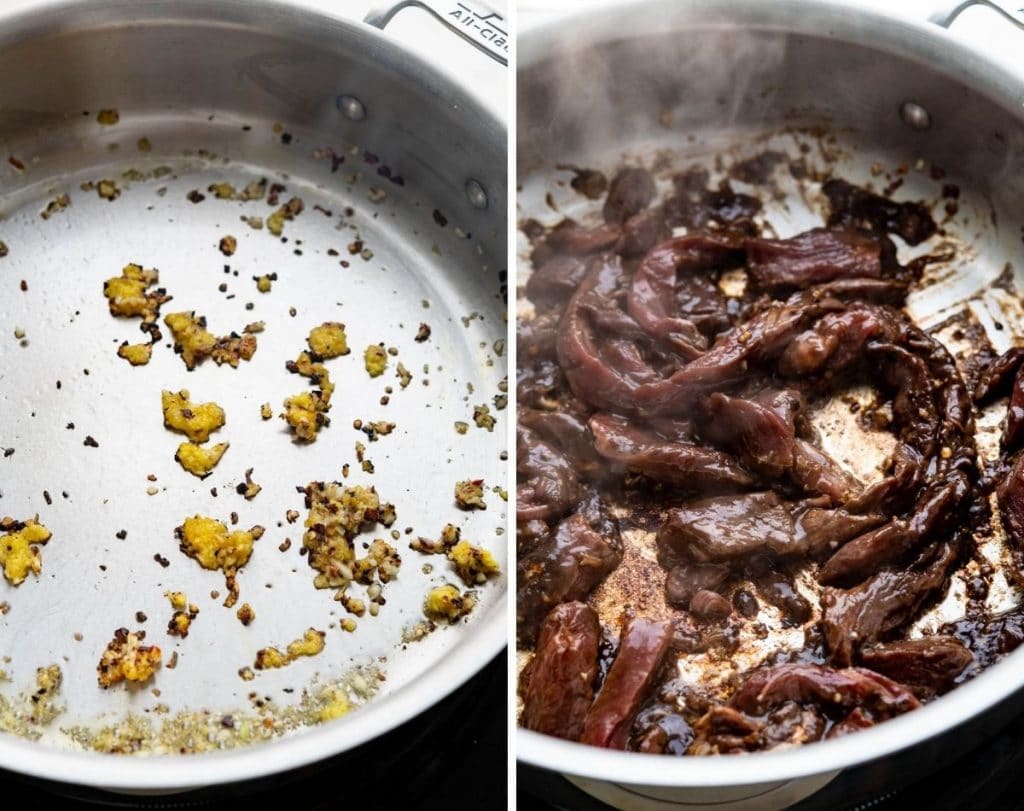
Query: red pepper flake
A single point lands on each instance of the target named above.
(17, 164)
(90, 442)
(195, 196)
(440, 219)
(24, 286)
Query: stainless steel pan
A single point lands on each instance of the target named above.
(390, 158)
(867, 94)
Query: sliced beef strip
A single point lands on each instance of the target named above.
(558, 685)
(565, 566)
(684, 464)
(813, 257)
(932, 662)
(760, 430)
(725, 528)
(653, 299)
(998, 377)
(883, 603)
(1010, 494)
(643, 646)
(804, 684)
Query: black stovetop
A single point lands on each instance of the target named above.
(453, 752)
(990, 777)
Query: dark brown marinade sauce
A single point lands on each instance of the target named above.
(649, 398)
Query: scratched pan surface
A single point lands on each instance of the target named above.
(233, 92)
(708, 83)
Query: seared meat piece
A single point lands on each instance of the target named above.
(723, 730)
(834, 343)
(554, 282)
(724, 527)
(932, 662)
(558, 683)
(884, 602)
(998, 377)
(535, 337)
(760, 430)
(1013, 428)
(685, 580)
(707, 605)
(813, 684)
(604, 370)
(1011, 506)
(565, 566)
(778, 590)
(888, 544)
(630, 192)
(788, 697)
(641, 232)
(816, 472)
(652, 294)
(571, 435)
(683, 464)
(643, 645)
(661, 729)
(573, 239)
(548, 487)
(854, 207)
(721, 528)
(813, 257)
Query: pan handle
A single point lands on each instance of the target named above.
(946, 11)
(481, 27)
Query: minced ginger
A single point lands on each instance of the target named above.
(18, 552)
(135, 354)
(328, 340)
(196, 421)
(212, 546)
(200, 461)
(127, 296)
(311, 643)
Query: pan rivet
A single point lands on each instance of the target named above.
(475, 194)
(915, 116)
(352, 108)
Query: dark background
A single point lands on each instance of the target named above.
(453, 756)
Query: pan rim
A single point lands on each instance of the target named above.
(849, 23)
(485, 637)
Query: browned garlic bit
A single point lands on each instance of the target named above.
(127, 659)
(245, 614)
(469, 494)
(184, 613)
(289, 211)
(336, 515)
(195, 343)
(249, 490)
